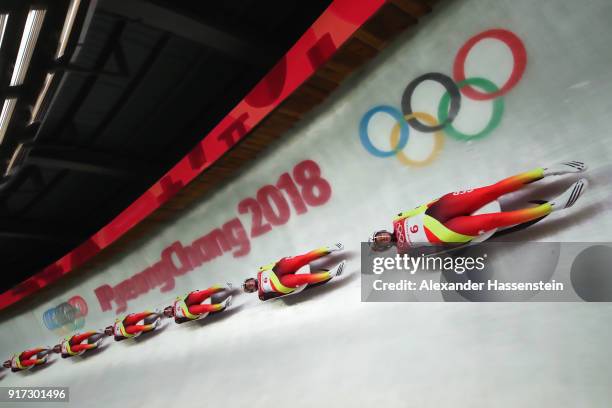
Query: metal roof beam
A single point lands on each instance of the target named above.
(238, 47)
(86, 161)
(33, 230)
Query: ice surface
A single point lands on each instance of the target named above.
(324, 347)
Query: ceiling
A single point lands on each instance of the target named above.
(138, 85)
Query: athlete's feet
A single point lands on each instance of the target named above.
(156, 322)
(570, 196)
(226, 303)
(335, 247)
(565, 168)
(100, 333)
(96, 343)
(96, 338)
(337, 271)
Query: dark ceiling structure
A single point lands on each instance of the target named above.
(101, 98)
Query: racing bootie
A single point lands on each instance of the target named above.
(227, 302)
(158, 321)
(564, 168)
(335, 247)
(570, 196)
(337, 271)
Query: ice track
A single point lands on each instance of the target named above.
(324, 347)
(331, 349)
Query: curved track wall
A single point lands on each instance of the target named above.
(335, 178)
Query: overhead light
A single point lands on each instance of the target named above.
(61, 48)
(5, 116)
(3, 22)
(26, 47)
(14, 159)
(68, 23)
(41, 97)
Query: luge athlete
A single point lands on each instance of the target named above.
(282, 278)
(79, 343)
(28, 359)
(449, 219)
(197, 305)
(134, 325)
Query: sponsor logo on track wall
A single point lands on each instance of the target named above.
(321, 186)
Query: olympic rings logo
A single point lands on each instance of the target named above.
(67, 316)
(475, 88)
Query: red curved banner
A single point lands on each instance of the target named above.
(337, 23)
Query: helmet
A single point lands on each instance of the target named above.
(169, 311)
(381, 240)
(250, 285)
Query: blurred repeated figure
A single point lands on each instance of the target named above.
(198, 304)
(289, 275)
(28, 359)
(134, 324)
(79, 343)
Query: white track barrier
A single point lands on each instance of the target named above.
(325, 347)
